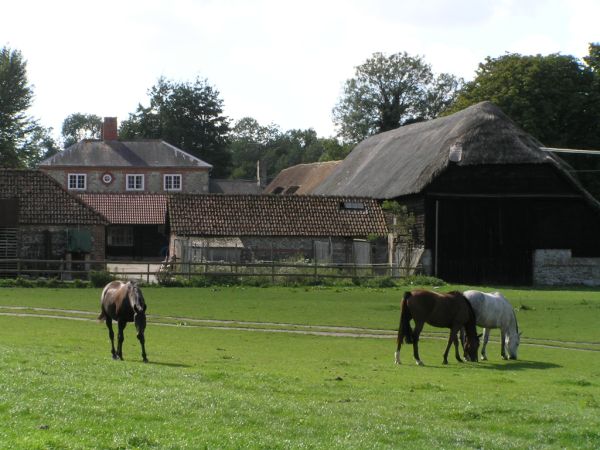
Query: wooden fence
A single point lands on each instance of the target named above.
(155, 271)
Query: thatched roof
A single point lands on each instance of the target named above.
(405, 160)
(301, 178)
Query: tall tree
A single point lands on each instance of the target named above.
(15, 99)
(251, 142)
(388, 92)
(78, 126)
(23, 141)
(188, 115)
(556, 98)
(248, 144)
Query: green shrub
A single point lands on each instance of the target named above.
(423, 280)
(100, 278)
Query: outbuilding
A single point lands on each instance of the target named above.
(491, 206)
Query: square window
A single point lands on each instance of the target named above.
(77, 181)
(172, 182)
(135, 182)
(120, 236)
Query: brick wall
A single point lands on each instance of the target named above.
(50, 242)
(193, 181)
(554, 267)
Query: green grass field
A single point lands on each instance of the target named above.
(232, 388)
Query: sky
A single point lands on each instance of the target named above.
(278, 61)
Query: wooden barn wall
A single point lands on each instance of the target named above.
(522, 179)
(492, 218)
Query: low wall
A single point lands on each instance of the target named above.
(552, 267)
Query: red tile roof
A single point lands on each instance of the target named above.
(274, 215)
(42, 200)
(130, 209)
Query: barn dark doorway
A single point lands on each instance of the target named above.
(484, 240)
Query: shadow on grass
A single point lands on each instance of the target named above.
(167, 364)
(519, 365)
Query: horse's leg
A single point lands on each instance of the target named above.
(416, 334)
(142, 340)
(121, 338)
(456, 353)
(503, 344)
(486, 338)
(451, 338)
(111, 335)
(461, 335)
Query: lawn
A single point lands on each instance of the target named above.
(223, 388)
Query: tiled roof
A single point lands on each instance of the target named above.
(131, 209)
(43, 201)
(142, 153)
(274, 215)
(303, 177)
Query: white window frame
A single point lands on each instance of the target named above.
(134, 176)
(74, 179)
(172, 177)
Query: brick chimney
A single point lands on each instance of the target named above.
(109, 129)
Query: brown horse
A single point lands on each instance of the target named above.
(451, 310)
(123, 302)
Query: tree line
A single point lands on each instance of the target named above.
(555, 97)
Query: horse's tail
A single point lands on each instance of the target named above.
(102, 316)
(404, 330)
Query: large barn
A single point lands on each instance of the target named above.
(491, 205)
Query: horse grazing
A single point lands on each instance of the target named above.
(451, 310)
(494, 311)
(123, 302)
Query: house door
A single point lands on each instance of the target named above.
(484, 241)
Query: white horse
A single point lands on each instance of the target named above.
(494, 311)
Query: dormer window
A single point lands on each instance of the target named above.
(135, 182)
(353, 205)
(77, 181)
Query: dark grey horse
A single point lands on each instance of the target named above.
(123, 302)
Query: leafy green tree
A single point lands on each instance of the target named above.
(251, 142)
(248, 144)
(555, 97)
(388, 92)
(188, 115)
(23, 141)
(80, 126)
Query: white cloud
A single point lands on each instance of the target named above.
(276, 60)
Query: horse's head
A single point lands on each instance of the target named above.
(512, 344)
(136, 298)
(472, 347)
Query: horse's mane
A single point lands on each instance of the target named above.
(473, 319)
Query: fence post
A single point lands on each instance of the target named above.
(316, 269)
(148, 273)
(272, 271)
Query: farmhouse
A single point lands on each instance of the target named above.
(490, 205)
(240, 228)
(39, 219)
(110, 165)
